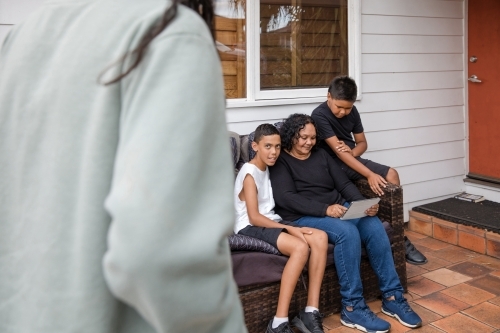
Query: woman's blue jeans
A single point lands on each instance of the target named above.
(348, 236)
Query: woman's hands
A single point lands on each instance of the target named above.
(372, 211)
(339, 210)
(335, 210)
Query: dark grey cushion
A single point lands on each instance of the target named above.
(251, 152)
(246, 243)
(234, 141)
(244, 148)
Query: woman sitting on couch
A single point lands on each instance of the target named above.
(311, 190)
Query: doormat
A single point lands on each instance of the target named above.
(484, 214)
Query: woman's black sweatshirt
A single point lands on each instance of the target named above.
(308, 187)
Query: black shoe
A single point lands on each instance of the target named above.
(283, 328)
(309, 322)
(413, 256)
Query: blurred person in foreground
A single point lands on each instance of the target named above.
(114, 204)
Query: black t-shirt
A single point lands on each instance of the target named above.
(308, 187)
(328, 125)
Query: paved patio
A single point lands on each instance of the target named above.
(457, 291)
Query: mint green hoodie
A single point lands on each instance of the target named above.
(114, 201)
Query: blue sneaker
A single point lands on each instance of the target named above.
(363, 319)
(401, 310)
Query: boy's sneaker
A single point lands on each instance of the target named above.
(283, 328)
(363, 319)
(309, 322)
(401, 310)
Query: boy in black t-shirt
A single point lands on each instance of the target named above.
(338, 121)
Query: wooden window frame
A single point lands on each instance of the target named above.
(256, 96)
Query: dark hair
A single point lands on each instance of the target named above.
(264, 130)
(291, 127)
(343, 88)
(203, 7)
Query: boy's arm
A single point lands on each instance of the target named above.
(358, 150)
(249, 195)
(348, 156)
(361, 144)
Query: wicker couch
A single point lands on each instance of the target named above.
(260, 300)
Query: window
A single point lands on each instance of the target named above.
(281, 49)
(231, 44)
(302, 46)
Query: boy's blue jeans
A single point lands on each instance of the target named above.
(347, 236)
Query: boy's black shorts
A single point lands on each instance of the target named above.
(268, 235)
(379, 169)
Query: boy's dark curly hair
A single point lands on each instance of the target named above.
(291, 127)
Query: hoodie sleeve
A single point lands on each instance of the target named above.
(171, 195)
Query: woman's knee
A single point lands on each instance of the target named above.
(372, 228)
(347, 231)
(373, 224)
(336, 229)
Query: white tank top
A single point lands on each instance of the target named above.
(264, 196)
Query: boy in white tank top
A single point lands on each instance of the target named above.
(255, 217)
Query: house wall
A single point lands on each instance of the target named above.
(413, 92)
(412, 105)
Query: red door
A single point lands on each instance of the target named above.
(484, 96)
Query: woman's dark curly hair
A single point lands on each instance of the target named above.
(291, 127)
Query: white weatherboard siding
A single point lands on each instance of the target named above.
(413, 79)
(413, 95)
(408, 62)
(408, 8)
(412, 64)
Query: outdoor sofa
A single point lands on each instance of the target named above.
(258, 274)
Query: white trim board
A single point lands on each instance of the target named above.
(465, 60)
(280, 96)
(490, 193)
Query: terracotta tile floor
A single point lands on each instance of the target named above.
(457, 291)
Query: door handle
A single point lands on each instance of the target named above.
(473, 78)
